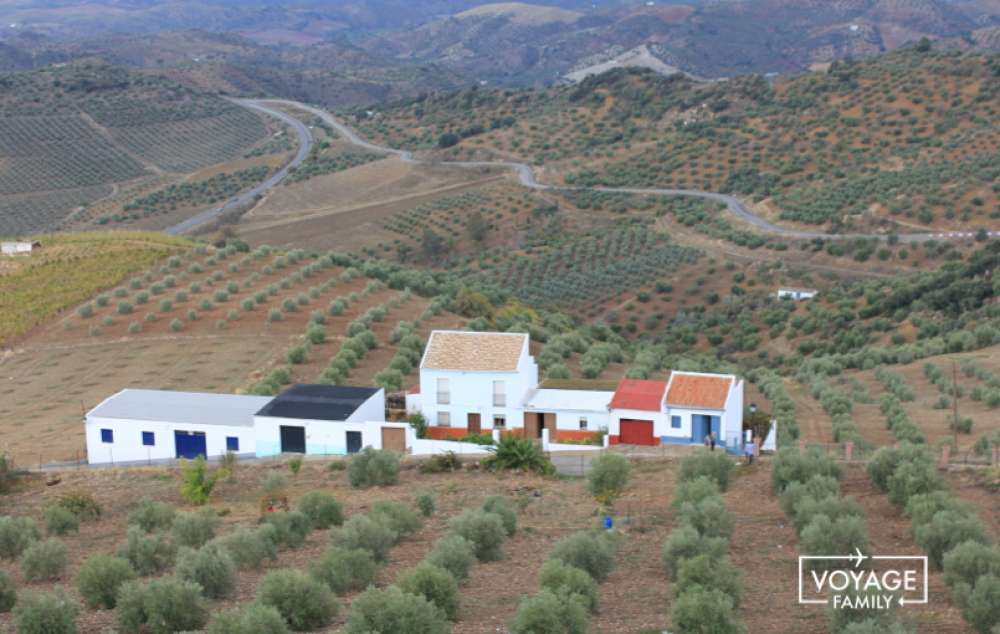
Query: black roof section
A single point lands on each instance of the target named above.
(318, 402)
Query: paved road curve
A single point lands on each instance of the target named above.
(526, 175)
(248, 197)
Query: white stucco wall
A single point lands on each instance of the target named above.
(372, 409)
(127, 446)
(323, 437)
(616, 415)
(733, 418)
(472, 393)
(569, 420)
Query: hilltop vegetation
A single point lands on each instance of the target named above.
(908, 137)
(69, 133)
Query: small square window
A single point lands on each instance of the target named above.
(444, 419)
(675, 422)
(583, 422)
(232, 443)
(499, 422)
(107, 436)
(148, 439)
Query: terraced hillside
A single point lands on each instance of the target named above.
(907, 139)
(70, 135)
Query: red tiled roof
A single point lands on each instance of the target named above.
(639, 394)
(695, 390)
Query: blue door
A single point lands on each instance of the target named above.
(699, 428)
(353, 441)
(716, 429)
(190, 444)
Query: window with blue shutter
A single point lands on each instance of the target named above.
(232, 443)
(107, 436)
(675, 422)
(148, 439)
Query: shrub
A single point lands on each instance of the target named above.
(249, 548)
(8, 593)
(455, 554)
(981, 603)
(296, 355)
(59, 521)
(322, 509)
(44, 560)
(16, 534)
(685, 543)
(705, 610)
(100, 577)
(913, 478)
(712, 464)
(274, 483)
(176, 325)
(373, 467)
(832, 506)
(304, 603)
(151, 515)
(361, 531)
(46, 613)
(197, 482)
(791, 465)
(400, 518)
(860, 608)
(425, 502)
(694, 490)
(148, 554)
(441, 463)
(924, 506)
(500, 505)
(968, 561)
(344, 570)
(826, 536)
(712, 573)
(434, 584)
(946, 530)
(251, 619)
(164, 606)
(563, 579)
(86, 310)
(818, 486)
(484, 530)
(291, 527)
(391, 610)
(196, 528)
(81, 504)
(551, 613)
(885, 461)
(589, 551)
(709, 517)
(210, 567)
(514, 452)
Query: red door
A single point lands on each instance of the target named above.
(637, 432)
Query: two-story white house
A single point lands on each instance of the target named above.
(684, 409)
(473, 382)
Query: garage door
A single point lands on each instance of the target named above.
(293, 439)
(189, 444)
(637, 432)
(394, 439)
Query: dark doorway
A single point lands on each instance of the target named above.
(293, 439)
(190, 444)
(475, 424)
(353, 441)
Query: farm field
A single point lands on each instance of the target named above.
(635, 597)
(882, 127)
(74, 134)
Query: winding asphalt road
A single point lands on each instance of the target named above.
(249, 196)
(525, 174)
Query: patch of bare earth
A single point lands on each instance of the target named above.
(765, 548)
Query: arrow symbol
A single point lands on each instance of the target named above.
(858, 557)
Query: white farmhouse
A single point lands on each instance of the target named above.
(17, 248)
(135, 426)
(474, 382)
(798, 294)
(146, 426)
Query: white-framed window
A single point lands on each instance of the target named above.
(583, 422)
(499, 422)
(444, 419)
(499, 394)
(443, 392)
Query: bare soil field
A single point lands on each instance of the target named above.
(635, 598)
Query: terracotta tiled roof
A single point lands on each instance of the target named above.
(474, 351)
(698, 390)
(639, 394)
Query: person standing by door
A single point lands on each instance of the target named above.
(711, 441)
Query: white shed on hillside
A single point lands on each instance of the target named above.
(797, 293)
